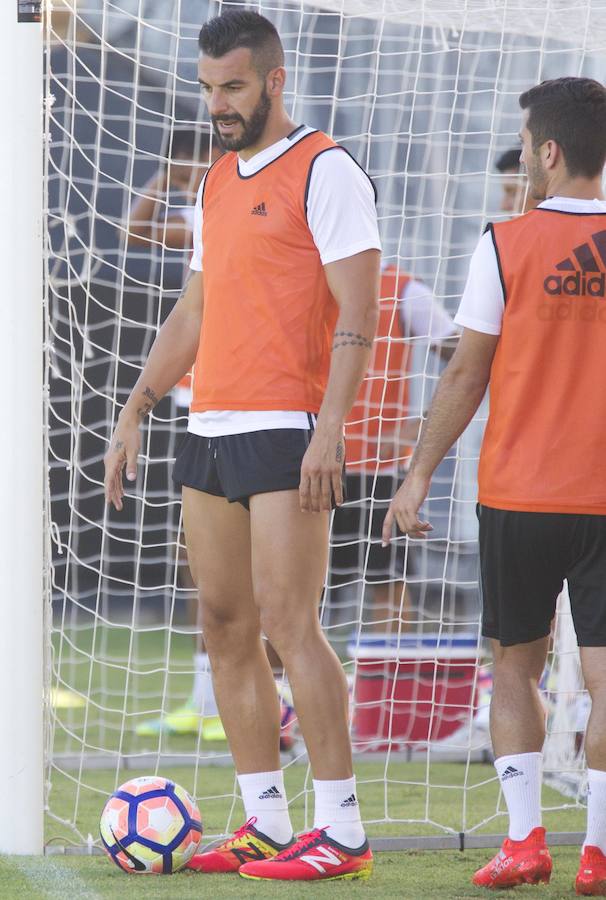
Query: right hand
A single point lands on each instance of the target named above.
(123, 451)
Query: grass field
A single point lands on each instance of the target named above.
(127, 679)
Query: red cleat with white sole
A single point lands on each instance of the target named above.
(314, 857)
(591, 877)
(245, 844)
(517, 862)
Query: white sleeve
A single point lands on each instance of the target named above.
(188, 214)
(422, 316)
(482, 303)
(341, 210)
(196, 259)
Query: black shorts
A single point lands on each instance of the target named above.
(237, 466)
(356, 550)
(524, 559)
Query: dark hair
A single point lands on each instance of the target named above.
(243, 28)
(190, 144)
(572, 112)
(508, 161)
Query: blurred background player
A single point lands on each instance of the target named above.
(163, 212)
(536, 283)
(380, 432)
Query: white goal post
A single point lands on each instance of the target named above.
(21, 456)
(424, 95)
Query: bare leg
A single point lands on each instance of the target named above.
(289, 557)
(593, 661)
(517, 716)
(218, 542)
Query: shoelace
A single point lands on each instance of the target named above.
(305, 842)
(241, 831)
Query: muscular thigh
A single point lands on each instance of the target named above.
(217, 534)
(289, 555)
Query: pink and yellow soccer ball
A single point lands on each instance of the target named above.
(150, 825)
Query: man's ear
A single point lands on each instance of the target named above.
(551, 154)
(275, 81)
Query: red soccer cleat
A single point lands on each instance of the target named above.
(517, 862)
(247, 843)
(591, 877)
(314, 857)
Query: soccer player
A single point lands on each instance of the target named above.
(380, 433)
(279, 315)
(534, 319)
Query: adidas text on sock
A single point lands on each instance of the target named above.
(264, 798)
(520, 775)
(337, 809)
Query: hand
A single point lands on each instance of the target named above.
(321, 470)
(404, 509)
(123, 451)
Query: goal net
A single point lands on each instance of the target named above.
(425, 97)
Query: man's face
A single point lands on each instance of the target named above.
(236, 98)
(513, 191)
(531, 161)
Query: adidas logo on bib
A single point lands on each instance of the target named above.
(583, 279)
(260, 210)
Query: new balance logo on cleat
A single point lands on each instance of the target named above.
(510, 772)
(271, 793)
(351, 801)
(260, 210)
(582, 276)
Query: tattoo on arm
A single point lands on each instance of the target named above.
(340, 452)
(350, 338)
(119, 445)
(150, 401)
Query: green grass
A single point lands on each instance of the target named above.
(126, 678)
(409, 876)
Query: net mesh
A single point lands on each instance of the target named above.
(425, 97)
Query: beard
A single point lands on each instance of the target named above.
(537, 179)
(252, 128)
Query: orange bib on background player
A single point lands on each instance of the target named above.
(382, 401)
(544, 449)
(269, 316)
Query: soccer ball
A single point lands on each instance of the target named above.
(150, 824)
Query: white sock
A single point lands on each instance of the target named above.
(521, 776)
(264, 798)
(203, 694)
(337, 809)
(596, 810)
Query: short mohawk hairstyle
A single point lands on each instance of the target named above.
(243, 28)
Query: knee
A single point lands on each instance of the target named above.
(225, 626)
(287, 630)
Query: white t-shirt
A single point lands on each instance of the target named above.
(482, 303)
(336, 186)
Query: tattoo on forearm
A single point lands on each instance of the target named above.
(150, 401)
(119, 445)
(340, 452)
(350, 338)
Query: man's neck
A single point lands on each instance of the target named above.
(274, 132)
(576, 188)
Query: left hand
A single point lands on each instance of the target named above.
(404, 509)
(321, 470)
